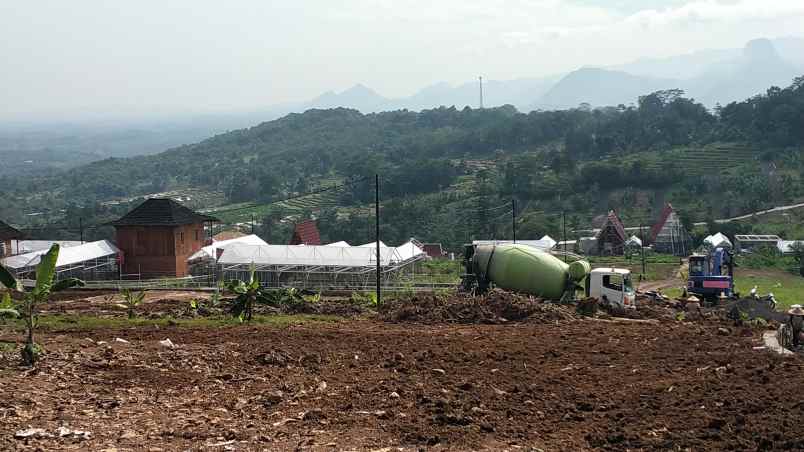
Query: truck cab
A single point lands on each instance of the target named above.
(612, 285)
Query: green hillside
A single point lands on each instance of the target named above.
(449, 175)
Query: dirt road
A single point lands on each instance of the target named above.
(366, 385)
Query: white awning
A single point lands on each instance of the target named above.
(548, 239)
(211, 251)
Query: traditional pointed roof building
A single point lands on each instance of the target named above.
(668, 234)
(611, 238)
(306, 233)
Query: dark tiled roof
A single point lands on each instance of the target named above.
(9, 233)
(306, 233)
(162, 212)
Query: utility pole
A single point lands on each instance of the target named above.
(513, 218)
(481, 91)
(377, 231)
(564, 226)
(81, 228)
(252, 224)
(642, 248)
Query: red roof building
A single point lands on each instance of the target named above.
(668, 235)
(306, 233)
(611, 238)
(434, 250)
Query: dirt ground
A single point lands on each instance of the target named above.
(568, 384)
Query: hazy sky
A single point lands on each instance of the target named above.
(141, 56)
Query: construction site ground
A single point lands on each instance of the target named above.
(554, 382)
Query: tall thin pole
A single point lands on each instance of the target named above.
(642, 247)
(481, 91)
(252, 224)
(81, 228)
(564, 226)
(377, 230)
(513, 217)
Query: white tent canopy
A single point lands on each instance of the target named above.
(373, 245)
(717, 240)
(318, 255)
(548, 239)
(634, 241)
(341, 243)
(68, 256)
(211, 251)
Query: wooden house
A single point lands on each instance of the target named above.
(158, 236)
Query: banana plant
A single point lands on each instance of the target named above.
(45, 275)
(248, 292)
(7, 307)
(131, 300)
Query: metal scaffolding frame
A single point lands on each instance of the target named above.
(319, 277)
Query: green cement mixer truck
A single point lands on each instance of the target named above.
(525, 269)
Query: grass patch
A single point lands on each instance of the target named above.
(82, 323)
(786, 287)
(6, 347)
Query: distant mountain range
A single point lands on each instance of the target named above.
(709, 76)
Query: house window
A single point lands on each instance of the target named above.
(196, 235)
(181, 237)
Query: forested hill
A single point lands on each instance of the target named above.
(582, 160)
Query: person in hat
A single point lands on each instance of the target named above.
(796, 322)
(693, 305)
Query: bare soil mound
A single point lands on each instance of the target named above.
(497, 306)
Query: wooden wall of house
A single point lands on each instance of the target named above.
(159, 250)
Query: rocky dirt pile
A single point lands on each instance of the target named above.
(497, 306)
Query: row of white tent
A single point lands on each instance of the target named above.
(251, 249)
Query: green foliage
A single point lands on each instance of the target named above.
(365, 298)
(443, 170)
(44, 286)
(7, 307)
(131, 300)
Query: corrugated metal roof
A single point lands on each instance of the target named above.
(67, 256)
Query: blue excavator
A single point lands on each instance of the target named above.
(711, 275)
